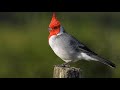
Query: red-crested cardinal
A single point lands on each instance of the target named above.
(68, 48)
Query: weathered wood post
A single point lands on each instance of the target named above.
(66, 72)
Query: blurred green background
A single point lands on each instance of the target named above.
(24, 49)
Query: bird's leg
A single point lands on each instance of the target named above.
(65, 64)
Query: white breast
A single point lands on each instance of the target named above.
(59, 49)
(52, 40)
(55, 46)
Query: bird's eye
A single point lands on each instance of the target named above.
(56, 27)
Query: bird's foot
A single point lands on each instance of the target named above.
(64, 65)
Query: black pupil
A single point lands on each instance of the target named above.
(56, 27)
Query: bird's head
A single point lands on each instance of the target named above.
(55, 27)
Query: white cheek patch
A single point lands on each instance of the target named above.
(61, 30)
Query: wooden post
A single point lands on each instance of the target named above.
(66, 72)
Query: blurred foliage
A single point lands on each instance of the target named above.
(24, 49)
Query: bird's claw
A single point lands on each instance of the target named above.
(63, 65)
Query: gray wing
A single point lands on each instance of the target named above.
(81, 47)
(73, 44)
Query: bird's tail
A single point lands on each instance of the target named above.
(104, 61)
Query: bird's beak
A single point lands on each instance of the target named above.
(49, 29)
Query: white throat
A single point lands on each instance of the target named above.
(53, 38)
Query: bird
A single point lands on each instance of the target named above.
(68, 48)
